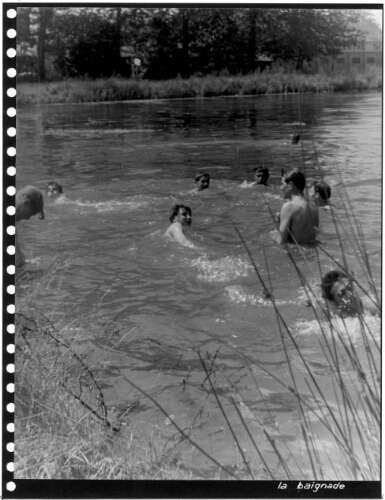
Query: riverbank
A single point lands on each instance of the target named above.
(120, 89)
(65, 428)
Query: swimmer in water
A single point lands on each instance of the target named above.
(202, 181)
(29, 202)
(261, 176)
(295, 138)
(341, 298)
(319, 193)
(298, 218)
(53, 190)
(180, 217)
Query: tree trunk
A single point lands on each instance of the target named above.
(251, 46)
(45, 14)
(185, 44)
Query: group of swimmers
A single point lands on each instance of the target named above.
(298, 218)
(298, 223)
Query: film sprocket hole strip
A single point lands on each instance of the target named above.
(9, 162)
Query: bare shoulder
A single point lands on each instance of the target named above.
(175, 231)
(170, 231)
(288, 207)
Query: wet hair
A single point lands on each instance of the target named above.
(328, 281)
(296, 177)
(322, 188)
(175, 210)
(264, 171)
(31, 197)
(56, 186)
(205, 176)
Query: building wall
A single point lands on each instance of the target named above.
(348, 60)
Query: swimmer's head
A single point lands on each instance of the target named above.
(320, 192)
(261, 175)
(53, 189)
(337, 288)
(294, 179)
(295, 138)
(29, 202)
(202, 181)
(181, 213)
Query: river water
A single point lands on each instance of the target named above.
(146, 308)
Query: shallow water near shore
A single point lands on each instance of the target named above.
(144, 308)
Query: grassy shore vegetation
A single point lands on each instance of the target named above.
(267, 82)
(65, 430)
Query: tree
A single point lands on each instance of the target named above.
(177, 41)
(45, 16)
(303, 34)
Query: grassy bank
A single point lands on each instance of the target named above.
(119, 89)
(63, 427)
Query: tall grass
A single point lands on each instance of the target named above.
(352, 422)
(267, 82)
(64, 428)
(339, 424)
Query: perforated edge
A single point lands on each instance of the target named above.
(9, 190)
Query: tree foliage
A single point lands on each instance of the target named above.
(86, 41)
(305, 34)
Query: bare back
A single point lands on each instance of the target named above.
(298, 221)
(175, 232)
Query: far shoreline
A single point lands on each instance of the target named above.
(116, 89)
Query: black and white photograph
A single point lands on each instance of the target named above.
(196, 245)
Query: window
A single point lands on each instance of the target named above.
(376, 46)
(371, 60)
(356, 60)
(340, 60)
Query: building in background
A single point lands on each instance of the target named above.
(357, 58)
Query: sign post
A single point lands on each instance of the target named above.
(137, 63)
(127, 53)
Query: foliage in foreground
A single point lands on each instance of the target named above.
(120, 89)
(64, 429)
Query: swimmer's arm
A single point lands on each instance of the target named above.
(370, 306)
(246, 184)
(284, 224)
(315, 215)
(175, 231)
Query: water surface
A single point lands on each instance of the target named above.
(102, 271)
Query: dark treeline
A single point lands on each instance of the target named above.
(163, 43)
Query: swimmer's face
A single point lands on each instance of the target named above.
(202, 183)
(344, 297)
(286, 188)
(261, 177)
(184, 217)
(312, 192)
(53, 191)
